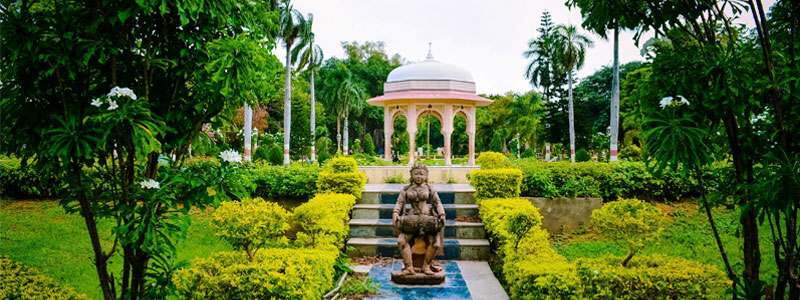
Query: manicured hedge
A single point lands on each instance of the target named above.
(273, 274)
(496, 183)
(323, 220)
(342, 176)
(17, 182)
(280, 182)
(610, 181)
(18, 281)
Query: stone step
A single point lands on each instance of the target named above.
(366, 228)
(386, 193)
(384, 211)
(463, 249)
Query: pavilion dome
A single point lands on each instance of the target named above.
(430, 69)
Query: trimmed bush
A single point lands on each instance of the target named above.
(631, 152)
(493, 160)
(630, 223)
(582, 155)
(342, 177)
(261, 154)
(250, 224)
(528, 153)
(323, 220)
(650, 277)
(275, 155)
(17, 182)
(18, 281)
(273, 274)
(369, 145)
(496, 183)
(280, 182)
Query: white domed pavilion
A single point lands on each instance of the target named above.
(429, 87)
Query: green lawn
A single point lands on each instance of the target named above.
(687, 235)
(40, 234)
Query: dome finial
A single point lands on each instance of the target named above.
(430, 51)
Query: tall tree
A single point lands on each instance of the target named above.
(310, 58)
(601, 17)
(292, 24)
(541, 71)
(571, 50)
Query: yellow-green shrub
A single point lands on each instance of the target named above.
(341, 177)
(273, 274)
(493, 160)
(650, 277)
(496, 183)
(628, 222)
(323, 220)
(542, 277)
(18, 281)
(250, 224)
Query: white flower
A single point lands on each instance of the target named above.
(96, 102)
(666, 101)
(683, 100)
(120, 92)
(245, 29)
(112, 105)
(231, 156)
(595, 271)
(150, 184)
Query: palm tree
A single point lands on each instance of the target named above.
(341, 94)
(571, 50)
(310, 58)
(527, 110)
(291, 25)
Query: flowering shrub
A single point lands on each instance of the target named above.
(17, 281)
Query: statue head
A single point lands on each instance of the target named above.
(419, 174)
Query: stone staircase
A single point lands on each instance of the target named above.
(372, 233)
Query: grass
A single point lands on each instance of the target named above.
(686, 235)
(358, 288)
(40, 234)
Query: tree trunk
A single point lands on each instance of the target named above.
(346, 136)
(338, 132)
(248, 132)
(287, 106)
(615, 97)
(571, 123)
(313, 115)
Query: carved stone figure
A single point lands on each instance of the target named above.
(421, 230)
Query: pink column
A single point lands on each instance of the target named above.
(447, 136)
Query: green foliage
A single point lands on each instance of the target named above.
(280, 182)
(630, 223)
(342, 176)
(261, 154)
(528, 153)
(273, 274)
(356, 145)
(632, 152)
(398, 178)
(492, 160)
(496, 183)
(369, 145)
(582, 155)
(18, 281)
(19, 182)
(354, 287)
(324, 220)
(251, 224)
(275, 155)
(650, 277)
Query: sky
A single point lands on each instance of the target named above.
(485, 37)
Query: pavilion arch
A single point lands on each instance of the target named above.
(442, 89)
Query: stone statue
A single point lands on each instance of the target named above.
(421, 230)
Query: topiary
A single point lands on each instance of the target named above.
(275, 155)
(582, 155)
(493, 160)
(341, 176)
(630, 223)
(261, 154)
(251, 224)
(369, 145)
(356, 145)
(631, 152)
(528, 153)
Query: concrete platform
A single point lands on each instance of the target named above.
(454, 249)
(464, 280)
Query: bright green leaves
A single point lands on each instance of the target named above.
(628, 222)
(72, 139)
(240, 70)
(251, 224)
(674, 140)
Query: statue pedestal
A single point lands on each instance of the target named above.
(418, 250)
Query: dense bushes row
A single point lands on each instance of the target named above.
(20, 282)
(24, 183)
(613, 180)
(271, 267)
(533, 270)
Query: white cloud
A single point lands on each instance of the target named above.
(485, 37)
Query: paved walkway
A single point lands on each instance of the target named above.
(464, 280)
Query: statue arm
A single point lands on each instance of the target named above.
(438, 208)
(399, 207)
